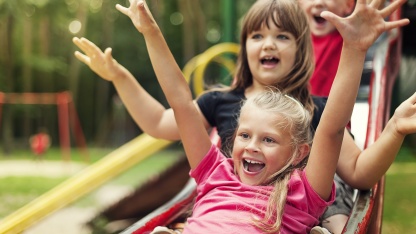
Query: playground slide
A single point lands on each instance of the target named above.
(372, 112)
(84, 182)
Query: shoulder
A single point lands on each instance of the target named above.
(220, 96)
(319, 103)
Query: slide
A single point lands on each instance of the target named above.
(371, 113)
(119, 161)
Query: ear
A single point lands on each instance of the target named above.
(303, 151)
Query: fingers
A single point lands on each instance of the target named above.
(143, 8)
(388, 10)
(412, 99)
(108, 57)
(122, 9)
(331, 17)
(376, 3)
(396, 24)
(89, 47)
(83, 58)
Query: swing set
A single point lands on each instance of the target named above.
(67, 116)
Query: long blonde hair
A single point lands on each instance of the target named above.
(287, 15)
(297, 119)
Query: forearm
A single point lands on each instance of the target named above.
(148, 113)
(330, 132)
(376, 159)
(167, 71)
(344, 91)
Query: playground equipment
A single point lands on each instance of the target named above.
(366, 216)
(92, 177)
(67, 115)
(370, 116)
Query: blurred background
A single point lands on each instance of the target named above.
(36, 56)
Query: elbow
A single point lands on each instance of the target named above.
(361, 184)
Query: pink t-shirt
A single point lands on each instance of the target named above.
(225, 205)
(327, 52)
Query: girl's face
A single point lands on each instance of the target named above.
(271, 54)
(261, 148)
(313, 9)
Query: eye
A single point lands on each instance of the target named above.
(256, 36)
(244, 135)
(269, 140)
(283, 37)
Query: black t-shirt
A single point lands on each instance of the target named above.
(221, 110)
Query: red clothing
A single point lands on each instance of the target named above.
(39, 143)
(327, 52)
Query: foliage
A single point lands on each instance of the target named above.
(38, 57)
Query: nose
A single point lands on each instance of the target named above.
(252, 146)
(269, 44)
(318, 2)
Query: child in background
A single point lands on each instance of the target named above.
(327, 45)
(327, 41)
(263, 167)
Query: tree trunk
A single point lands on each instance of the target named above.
(74, 64)
(7, 125)
(103, 100)
(27, 74)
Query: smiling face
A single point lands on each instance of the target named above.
(313, 8)
(271, 54)
(262, 145)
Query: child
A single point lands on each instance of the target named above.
(327, 45)
(327, 42)
(271, 153)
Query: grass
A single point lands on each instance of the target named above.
(15, 192)
(399, 214)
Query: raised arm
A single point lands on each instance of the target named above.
(366, 170)
(191, 128)
(359, 31)
(149, 114)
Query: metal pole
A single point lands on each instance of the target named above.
(229, 20)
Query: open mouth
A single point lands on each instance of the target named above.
(319, 20)
(269, 61)
(253, 166)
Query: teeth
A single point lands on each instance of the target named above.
(252, 162)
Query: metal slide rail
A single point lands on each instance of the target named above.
(367, 213)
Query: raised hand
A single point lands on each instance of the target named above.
(405, 117)
(366, 23)
(140, 15)
(101, 63)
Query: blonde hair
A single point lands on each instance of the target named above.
(287, 15)
(297, 120)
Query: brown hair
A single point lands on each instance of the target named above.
(287, 15)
